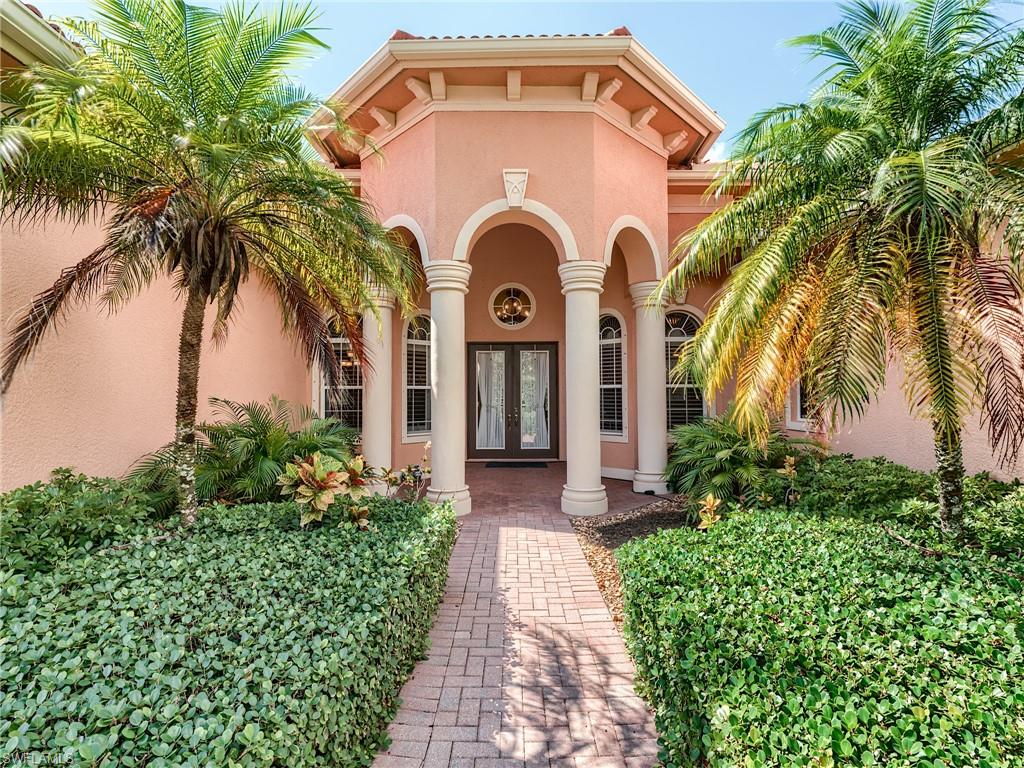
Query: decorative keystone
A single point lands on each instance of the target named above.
(515, 186)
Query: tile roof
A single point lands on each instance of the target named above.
(401, 34)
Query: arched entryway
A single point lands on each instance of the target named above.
(500, 248)
(634, 268)
(515, 335)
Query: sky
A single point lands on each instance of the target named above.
(731, 54)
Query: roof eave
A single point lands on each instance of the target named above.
(542, 50)
(27, 36)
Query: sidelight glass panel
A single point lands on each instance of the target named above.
(535, 428)
(490, 399)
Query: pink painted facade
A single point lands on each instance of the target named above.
(562, 167)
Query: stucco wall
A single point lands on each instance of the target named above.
(100, 392)
(630, 181)
(888, 429)
(474, 147)
(401, 179)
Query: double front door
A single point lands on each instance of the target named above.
(513, 401)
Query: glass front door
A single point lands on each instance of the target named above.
(513, 401)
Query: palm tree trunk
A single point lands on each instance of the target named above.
(189, 347)
(949, 469)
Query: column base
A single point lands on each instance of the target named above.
(584, 502)
(644, 482)
(459, 498)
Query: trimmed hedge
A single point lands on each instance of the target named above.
(44, 524)
(842, 485)
(249, 642)
(782, 639)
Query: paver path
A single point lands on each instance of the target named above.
(525, 666)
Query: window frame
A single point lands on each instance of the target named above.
(709, 409)
(518, 287)
(623, 436)
(794, 420)
(319, 389)
(407, 436)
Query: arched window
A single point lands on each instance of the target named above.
(345, 402)
(417, 376)
(612, 376)
(685, 401)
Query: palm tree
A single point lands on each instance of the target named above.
(882, 217)
(181, 128)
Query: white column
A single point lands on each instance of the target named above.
(651, 403)
(583, 494)
(377, 382)
(448, 283)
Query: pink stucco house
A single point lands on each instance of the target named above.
(542, 181)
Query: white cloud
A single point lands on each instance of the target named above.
(717, 152)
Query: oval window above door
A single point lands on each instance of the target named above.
(512, 306)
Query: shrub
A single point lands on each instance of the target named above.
(241, 455)
(782, 639)
(44, 524)
(845, 486)
(714, 457)
(999, 527)
(995, 526)
(246, 642)
(316, 482)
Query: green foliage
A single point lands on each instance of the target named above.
(777, 638)
(842, 485)
(183, 130)
(715, 457)
(883, 212)
(246, 641)
(44, 524)
(879, 490)
(241, 454)
(995, 525)
(316, 482)
(999, 525)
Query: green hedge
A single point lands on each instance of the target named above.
(248, 642)
(842, 485)
(44, 524)
(778, 639)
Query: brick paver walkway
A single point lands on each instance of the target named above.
(525, 666)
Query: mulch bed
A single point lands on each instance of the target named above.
(601, 536)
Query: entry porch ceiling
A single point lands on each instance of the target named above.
(613, 73)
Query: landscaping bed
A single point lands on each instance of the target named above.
(840, 630)
(599, 537)
(245, 641)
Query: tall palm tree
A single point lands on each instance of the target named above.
(182, 129)
(882, 217)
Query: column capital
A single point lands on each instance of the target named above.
(448, 275)
(582, 276)
(641, 293)
(381, 297)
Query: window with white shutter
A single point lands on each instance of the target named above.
(345, 401)
(612, 376)
(417, 376)
(685, 401)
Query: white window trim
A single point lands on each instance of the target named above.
(411, 438)
(619, 437)
(710, 410)
(795, 422)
